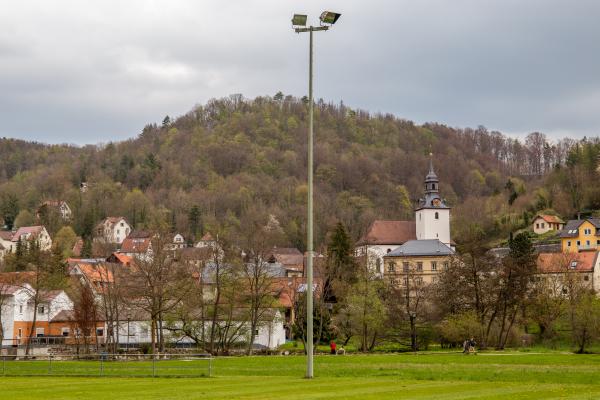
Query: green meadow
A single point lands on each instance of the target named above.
(507, 375)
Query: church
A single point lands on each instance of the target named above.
(422, 248)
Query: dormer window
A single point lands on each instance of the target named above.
(573, 264)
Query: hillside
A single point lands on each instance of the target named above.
(235, 157)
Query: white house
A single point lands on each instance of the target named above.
(38, 233)
(543, 223)
(178, 242)
(60, 206)
(113, 230)
(18, 312)
(136, 330)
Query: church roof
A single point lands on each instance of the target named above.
(389, 232)
(426, 247)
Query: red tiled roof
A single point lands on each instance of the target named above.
(27, 230)
(551, 219)
(131, 245)
(389, 232)
(6, 235)
(548, 263)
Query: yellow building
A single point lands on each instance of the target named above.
(581, 234)
(417, 260)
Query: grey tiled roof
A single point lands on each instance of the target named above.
(428, 247)
(573, 225)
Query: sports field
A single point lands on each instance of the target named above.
(393, 376)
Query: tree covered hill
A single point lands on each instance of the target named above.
(234, 157)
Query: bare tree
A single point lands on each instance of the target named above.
(157, 285)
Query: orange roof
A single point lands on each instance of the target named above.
(207, 237)
(123, 258)
(548, 263)
(96, 274)
(17, 277)
(389, 232)
(135, 245)
(551, 219)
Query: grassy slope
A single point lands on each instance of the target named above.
(439, 376)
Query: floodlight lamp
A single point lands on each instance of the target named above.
(329, 17)
(299, 20)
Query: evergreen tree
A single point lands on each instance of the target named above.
(86, 251)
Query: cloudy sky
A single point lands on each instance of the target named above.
(94, 71)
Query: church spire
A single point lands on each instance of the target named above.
(432, 197)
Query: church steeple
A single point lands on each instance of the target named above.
(432, 189)
(431, 180)
(432, 214)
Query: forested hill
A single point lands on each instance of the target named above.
(234, 157)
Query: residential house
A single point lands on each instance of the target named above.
(138, 245)
(290, 257)
(18, 313)
(113, 230)
(6, 241)
(178, 242)
(559, 271)
(209, 242)
(543, 223)
(580, 234)
(27, 234)
(59, 206)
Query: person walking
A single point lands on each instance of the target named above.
(333, 347)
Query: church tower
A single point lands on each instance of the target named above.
(432, 213)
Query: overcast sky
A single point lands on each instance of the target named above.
(95, 71)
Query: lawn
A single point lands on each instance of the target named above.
(422, 376)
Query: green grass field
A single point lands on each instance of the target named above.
(391, 376)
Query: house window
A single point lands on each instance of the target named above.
(537, 226)
(39, 332)
(122, 224)
(569, 243)
(419, 280)
(391, 267)
(99, 332)
(20, 308)
(20, 334)
(446, 265)
(144, 331)
(437, 215)
(394, 282)
(405, 281)
(419, 266)
(389, 251)
(573, 264)
(41, 309)
(434, 265)
(256, 332)
(578, 243)
(65, 331)
(586, 278)
(543, 225)
(587, 243)
(405, 267)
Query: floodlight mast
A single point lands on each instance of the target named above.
(299, 23)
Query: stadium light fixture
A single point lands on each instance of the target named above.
(327, 19)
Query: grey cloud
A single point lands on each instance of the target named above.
(85, 72)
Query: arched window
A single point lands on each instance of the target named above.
(437, 215)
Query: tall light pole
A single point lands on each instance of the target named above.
(327, 19)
